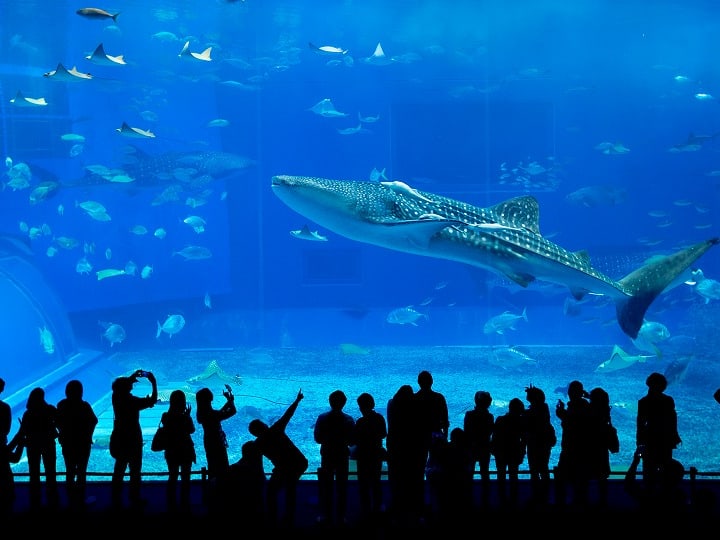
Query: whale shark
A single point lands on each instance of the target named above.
(504, 238)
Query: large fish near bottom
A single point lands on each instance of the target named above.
(504, 238)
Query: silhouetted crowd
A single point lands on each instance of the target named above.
(431, 468)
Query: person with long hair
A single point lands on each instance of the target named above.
(38, 429)
(214, 437)
(180, 450)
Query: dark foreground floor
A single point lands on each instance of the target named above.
(618, 519)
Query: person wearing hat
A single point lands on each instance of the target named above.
(126, 439)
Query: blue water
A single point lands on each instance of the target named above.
(479, 101)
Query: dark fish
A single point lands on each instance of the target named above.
(97, 13)
(190, 170)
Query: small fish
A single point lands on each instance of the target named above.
(61, 73)
(72, 137)
(405, 315)
(138, 230)
(97, 13)
(46, 340)
(160, 233)
(218, 122)
(509, 357)
(204, 56)
(21, 101)
(83, 266)
(134, 132)
(99, 57)
(8, 163)
(351, 348)
(327, 49)
(196, 222)
(194, 253)
(109, 272)
(306, 234)
(505, 321)
(326, 108)
(114, 333)
(619, 359)
(207, 301)
(368, 119)
(172, 325)
(146, 272)
(649, 335)
(376, 175)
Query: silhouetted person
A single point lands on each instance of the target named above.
(244, 491)
(656, 426)
(433, 421)
(598, 449)
(540, 438)
(180, 450)
(405, 455)
(214, 437)
(39, 429)
(7, 480)
(508, 447)
(76, 421)
(289, 463)
(716, 395)
(572, 468)
(126, 439)
(478, 425)
(333, 432)
(370, 432)
(662, 499)
(451, 479)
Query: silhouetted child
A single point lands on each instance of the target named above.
(244, 490)
(508, 447)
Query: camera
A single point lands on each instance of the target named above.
(142, 373)
(640, 450)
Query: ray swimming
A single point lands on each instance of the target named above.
(504, 238)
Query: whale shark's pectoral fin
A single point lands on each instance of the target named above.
(521, 279)
(419, 232)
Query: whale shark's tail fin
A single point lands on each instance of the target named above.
(648, 281)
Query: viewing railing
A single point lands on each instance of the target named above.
(691, 474)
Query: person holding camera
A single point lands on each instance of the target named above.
(214, 438)
(126, 439)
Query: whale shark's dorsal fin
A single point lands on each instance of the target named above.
(520, 212)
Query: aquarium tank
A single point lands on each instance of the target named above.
(309, 195)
